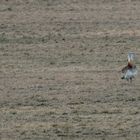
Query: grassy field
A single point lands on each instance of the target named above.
(60, 63)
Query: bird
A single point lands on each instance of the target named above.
(130, 70)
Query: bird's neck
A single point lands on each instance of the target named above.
(130, 65)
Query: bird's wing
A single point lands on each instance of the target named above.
(124, 69)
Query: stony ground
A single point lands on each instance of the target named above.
(60, 63)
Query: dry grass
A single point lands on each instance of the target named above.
(60, 67)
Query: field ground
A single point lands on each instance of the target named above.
(60, 63)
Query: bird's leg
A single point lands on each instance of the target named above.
(131, 80)
(122, 77)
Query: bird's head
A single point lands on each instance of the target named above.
(131, 57)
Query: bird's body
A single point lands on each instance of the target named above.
(129, 71)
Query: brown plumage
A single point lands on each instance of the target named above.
(129, 66)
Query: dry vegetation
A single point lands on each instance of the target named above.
(60, 64)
